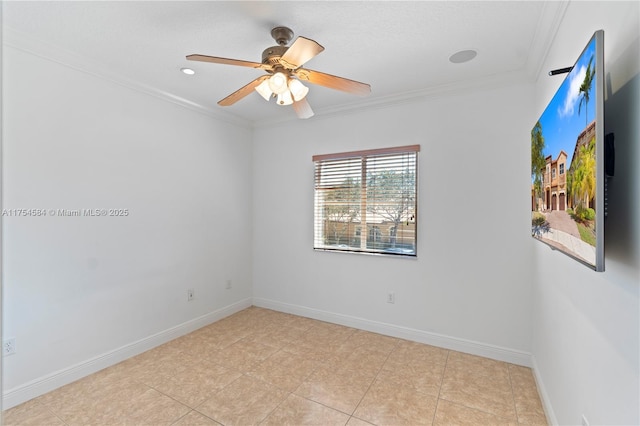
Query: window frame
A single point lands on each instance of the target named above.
(406, 247)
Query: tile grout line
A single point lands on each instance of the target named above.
(46, 407)
(252, 325)
(275, 408)
(375, 378)
(215, 393)
(174, 399)
(303, 380)
(289, 393)
(183, 416)
(317, 402)
(444, 370)
(203, 414)
(481, 409)
(513, 396)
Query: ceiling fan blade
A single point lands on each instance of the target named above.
(302, 108)
(242, 92)
(333, 82)
(226, 61)
(300, 52)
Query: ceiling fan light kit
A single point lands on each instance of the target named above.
(278, 83)
(264, 90)
(298, 90)
(285, 98)
(286, 89)
(284, 67)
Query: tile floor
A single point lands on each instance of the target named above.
(265, 367)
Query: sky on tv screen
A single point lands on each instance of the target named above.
(565, 117)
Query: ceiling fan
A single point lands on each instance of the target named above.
(283, 65)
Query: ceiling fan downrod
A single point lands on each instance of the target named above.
(282, 35)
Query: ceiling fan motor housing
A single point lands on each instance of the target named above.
(271, 55)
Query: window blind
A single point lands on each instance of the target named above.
(366, 201)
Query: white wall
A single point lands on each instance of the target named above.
(1, 126)
(471, 281)
(586, 324)
(77, 288)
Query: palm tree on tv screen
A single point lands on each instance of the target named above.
(585, 88)
(537, 159)
(584, 177)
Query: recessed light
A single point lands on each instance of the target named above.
(463, 56)
(187, 71)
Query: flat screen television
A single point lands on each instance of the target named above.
(567, 162)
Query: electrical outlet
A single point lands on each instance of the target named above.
(391, 297)
(190, 295)
(9, 347)
(228, 285)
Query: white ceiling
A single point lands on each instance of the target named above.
(400, 48)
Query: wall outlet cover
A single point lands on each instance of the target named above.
(9, 346)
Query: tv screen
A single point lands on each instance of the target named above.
(567, 162)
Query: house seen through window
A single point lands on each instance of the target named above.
(366, 201)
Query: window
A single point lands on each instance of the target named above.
(561, 167)
(553, 173)
(366, 201)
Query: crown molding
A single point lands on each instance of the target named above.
(493, 81)
(26, 43)
(548, 24)
(547, 27)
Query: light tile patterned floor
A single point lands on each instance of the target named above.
(265, 367)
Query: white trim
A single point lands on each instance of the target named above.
(461, 345)
(493, 81)
(42, 385)
(23, 42)
(42, 49)
(26, 43)
(548, 23)
(1, 198)
(547, 28)
(542, 392)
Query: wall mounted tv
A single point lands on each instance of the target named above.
(567, 162)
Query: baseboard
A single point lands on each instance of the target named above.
(461, 345)
(542, 391)
(42, 385)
